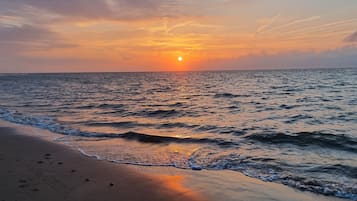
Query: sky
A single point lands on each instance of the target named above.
(150, 35)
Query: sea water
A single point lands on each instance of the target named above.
(295, 127)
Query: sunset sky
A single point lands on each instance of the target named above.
(150, 35)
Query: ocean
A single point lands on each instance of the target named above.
(295, 127)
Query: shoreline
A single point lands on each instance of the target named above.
(32, 169)
(37, 168)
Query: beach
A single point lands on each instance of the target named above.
(219, 100)
(35, 168)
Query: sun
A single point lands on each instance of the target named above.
(180, 58)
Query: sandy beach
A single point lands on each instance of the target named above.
(36, 169)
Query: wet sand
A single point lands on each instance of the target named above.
(34, 168)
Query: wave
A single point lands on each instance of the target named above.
(338, 169)
(134, 124)
(328, 188)
(101, 106)
(288, 107)
(298, 117)
(176, 125)
(145, 138)
(219, 129)
(163, 113)
(159, 113)
(178, 104)
(274, 170)
(156, 139)
(169, 125)
(110, 106)
(49, 124)
(123, 124)
(325, 140)
(229, 95)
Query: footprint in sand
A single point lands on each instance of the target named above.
(39, 162)
(59, 163)
(23, 183)
(47, 156)
(23, 186)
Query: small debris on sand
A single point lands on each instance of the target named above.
(22, 181)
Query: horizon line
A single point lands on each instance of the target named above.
(183, 71)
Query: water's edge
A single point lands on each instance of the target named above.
(49, 135)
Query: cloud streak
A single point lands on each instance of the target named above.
(97, 9)
(294, 22)
(337, 58)
(24, 33)
(268, 24)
